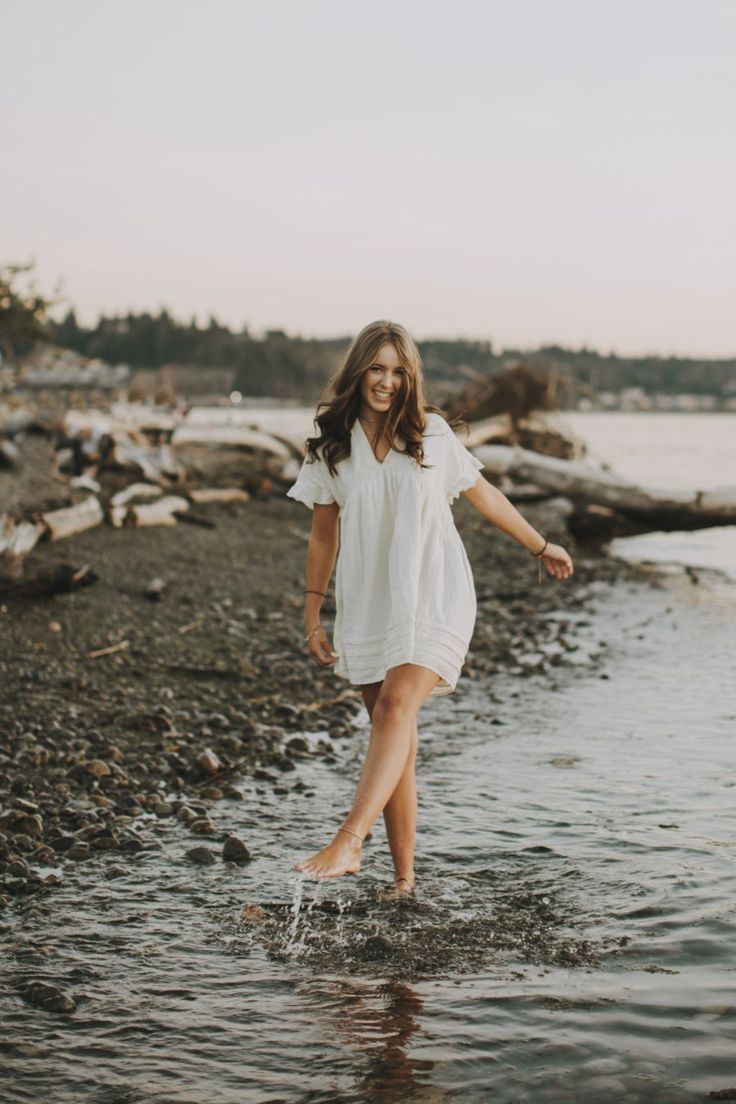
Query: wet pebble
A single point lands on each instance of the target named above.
(23, 842)
(16, 887)
(98, 768)
(132, 845)
(25, 806)
(106, 843)
(208, 762)
(283, 762)
(201, 855)
(377, 947)
(234, 850)
(62, 843)
(297, 745)
(254, 914)
(79, 850)
(212, 793)
(113, 872)
(19, 869)
(49, 997)
(31, 824)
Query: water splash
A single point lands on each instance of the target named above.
(290, 945)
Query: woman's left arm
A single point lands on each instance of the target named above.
(496, 508)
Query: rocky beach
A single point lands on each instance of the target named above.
(121, 706)
(169, 748)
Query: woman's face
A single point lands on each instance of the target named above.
(381, 381)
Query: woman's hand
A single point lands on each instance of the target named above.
(320, 650)
(557, 561)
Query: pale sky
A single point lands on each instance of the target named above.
(523, 171)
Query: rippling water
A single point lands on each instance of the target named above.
(573, 936)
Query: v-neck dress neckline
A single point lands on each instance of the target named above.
(370, 446)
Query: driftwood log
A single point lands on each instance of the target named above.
(161, 512)
(242, 437)
(606, 505)
(135, 490)
(73, 519)
(219, 494)
(16, 541)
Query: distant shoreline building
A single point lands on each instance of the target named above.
(52, 367)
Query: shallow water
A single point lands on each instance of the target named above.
(677, 451)
(573, 936)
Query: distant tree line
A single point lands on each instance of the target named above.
(285, 366)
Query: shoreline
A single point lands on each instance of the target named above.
(210, 684)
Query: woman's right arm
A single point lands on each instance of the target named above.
(324, 542)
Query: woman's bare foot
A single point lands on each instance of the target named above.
(402, 887)
(342, 856)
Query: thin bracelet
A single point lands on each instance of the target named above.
(538, 557)
(311, 634)
(322, 592)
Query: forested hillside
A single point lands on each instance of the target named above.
(286, 365)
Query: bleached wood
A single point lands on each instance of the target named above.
(219, 494)
(73, 519)
(157, 513)
(230, 435)
(586, 484)
(135, 490)
(18, 537)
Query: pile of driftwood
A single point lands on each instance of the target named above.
(529, 458)
(153, 471)
(140, 504)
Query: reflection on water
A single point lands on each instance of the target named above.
(572, 938)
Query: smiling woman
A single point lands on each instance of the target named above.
(379, 386)
(404, 589)
(384, 471)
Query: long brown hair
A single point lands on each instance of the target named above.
(341, 397)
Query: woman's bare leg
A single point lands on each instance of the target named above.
(400, 813)
(402, 692)
(400, 818)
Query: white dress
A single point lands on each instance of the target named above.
(404, 589)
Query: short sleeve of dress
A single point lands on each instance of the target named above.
(312, 484)
(462, 467)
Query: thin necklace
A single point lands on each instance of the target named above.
(371, 424)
